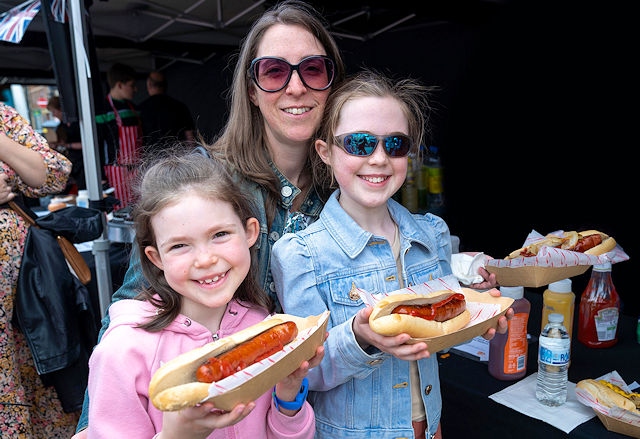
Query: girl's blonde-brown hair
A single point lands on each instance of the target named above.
(412, 95)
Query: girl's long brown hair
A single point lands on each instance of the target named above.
(165, 181)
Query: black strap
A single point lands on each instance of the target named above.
(19, 200)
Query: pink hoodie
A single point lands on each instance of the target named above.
(122, 364)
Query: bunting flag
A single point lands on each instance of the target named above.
(58, 10)
(14, 22)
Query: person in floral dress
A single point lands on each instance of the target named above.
(28, 408)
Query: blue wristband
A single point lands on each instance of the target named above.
(297, 403)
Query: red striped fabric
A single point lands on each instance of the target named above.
(130, 145)
(121, 178)
(122, 175)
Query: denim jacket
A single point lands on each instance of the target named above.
(357, 393)
(134, 280)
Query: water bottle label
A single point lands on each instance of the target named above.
(554, 351)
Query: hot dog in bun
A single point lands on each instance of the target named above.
(610, 395)
(184, 381)
(590, 242)
(420, 316)
(180, 382)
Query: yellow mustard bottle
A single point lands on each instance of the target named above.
(558, 298)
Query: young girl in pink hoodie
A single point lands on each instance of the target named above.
(196, 230)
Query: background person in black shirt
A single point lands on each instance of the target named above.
(165, 119)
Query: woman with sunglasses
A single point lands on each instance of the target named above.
(287, 65)
(367, 385)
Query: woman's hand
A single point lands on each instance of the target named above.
(489, 281)
(6, 192)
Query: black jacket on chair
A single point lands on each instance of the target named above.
(53, 311)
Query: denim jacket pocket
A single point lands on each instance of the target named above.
(343, 290)
(425, 270)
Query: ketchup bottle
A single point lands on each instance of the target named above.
(599, 310)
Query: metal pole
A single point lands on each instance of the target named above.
(89, 138)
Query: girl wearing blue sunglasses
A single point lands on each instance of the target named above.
(368, 384)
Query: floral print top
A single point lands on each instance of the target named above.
(30, 409)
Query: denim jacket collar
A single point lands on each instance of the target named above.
(312, 205)
(353, 239)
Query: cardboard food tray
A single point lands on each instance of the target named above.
(253, 381)
(618, 426)
(533, 277)
(474, 328)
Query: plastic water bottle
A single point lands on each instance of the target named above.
(82, 200)
(553, 362)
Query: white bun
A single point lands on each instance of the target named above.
(181, 396)
(383, 322)
(607, 244)
(174, 385)
(549, 240)
(606, 396)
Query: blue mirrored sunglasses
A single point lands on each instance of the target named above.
(363, 144)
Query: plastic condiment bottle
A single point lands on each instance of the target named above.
(82, 200)
(558, 298)
(409, 189)
(508, 351)
(599, 310)
(435, 197)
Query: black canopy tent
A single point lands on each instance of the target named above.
(156, 34)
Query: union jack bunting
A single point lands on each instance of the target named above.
(58, 10)
(14, 22)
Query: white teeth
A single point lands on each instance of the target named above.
(209, 281)
(374, 179)
(297, 110)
